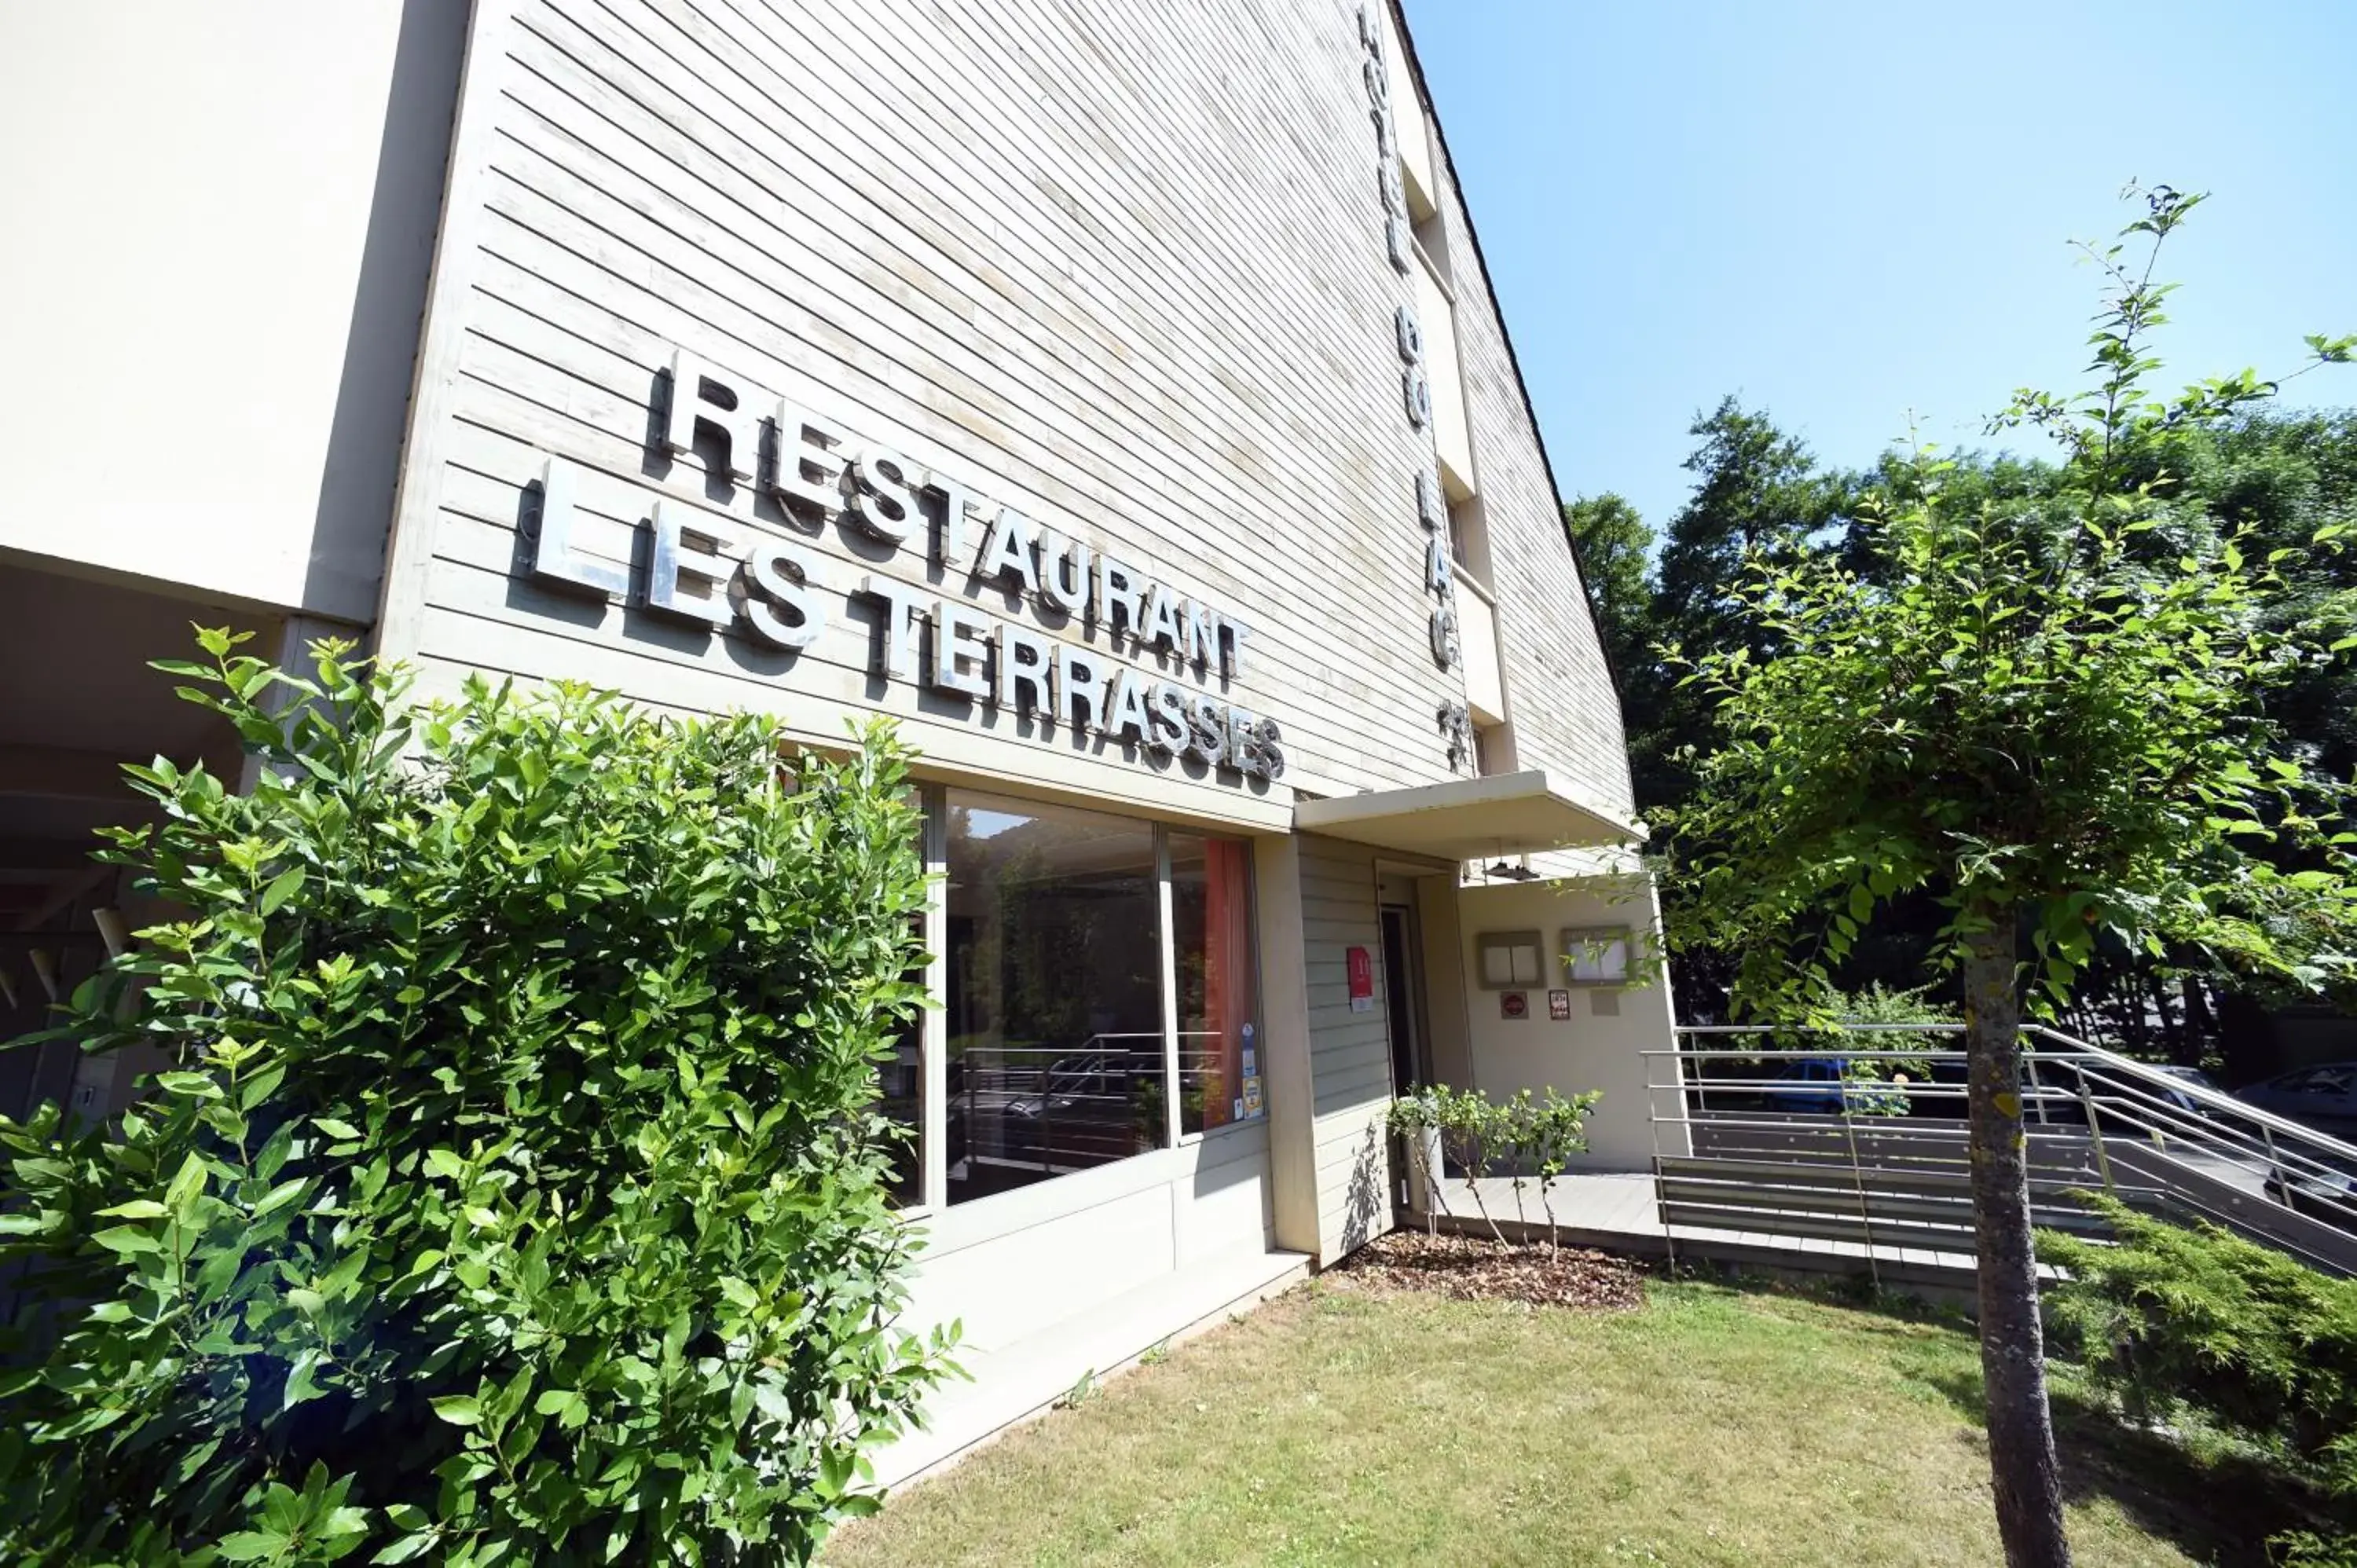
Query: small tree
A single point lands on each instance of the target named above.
(1471, 1130)
(2048, 723)
(1413, 1118)
(1518, 1125)
(515, 1193)
(1556, 1130)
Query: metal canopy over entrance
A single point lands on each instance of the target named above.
(1467, 819)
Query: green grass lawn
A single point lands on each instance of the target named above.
(1717, 1425)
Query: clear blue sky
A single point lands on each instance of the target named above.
(1843, 214)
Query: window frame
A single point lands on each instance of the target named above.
(933, 1119)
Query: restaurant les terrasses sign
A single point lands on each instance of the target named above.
(703, 569)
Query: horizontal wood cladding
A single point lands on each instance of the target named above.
(1350, 1052)
(1566, 712)
(1116, 266)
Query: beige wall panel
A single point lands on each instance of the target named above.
(1447, 1012)
(1592, 1051)
(1452, 439)
(221, 218)
(1019, 1263)
(1350, 1052)
(1485, 682)
(1414, 142)
(1566, 714)
(1225, 1206)
(1285, 1007)
(1020, 1283)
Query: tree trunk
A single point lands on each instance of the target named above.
(2201, 1027)
(2169, 1044)
(2013, 1351)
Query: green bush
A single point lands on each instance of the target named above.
(514, 1193)
(1533, 1136)
(2169, 1316)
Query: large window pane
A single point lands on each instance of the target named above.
(1055, 993)
(1219, 990)
(900, 1078)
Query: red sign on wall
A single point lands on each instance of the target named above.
(1363, 980)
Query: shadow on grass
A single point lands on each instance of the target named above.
(2216, 1498)
(1856, 1293)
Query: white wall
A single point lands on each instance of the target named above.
(1009, 1266)
(220, 218)
(1590, 1050)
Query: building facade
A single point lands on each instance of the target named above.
(1112, 396)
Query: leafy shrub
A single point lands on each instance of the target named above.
(1832, 1031)
(1531, 1135)
(2305, 1548)
(1413, 1118)
(515, 1193)
(2171, 1316)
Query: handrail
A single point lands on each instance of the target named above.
(2199, 1093)
(1818, 1028)
(2204, 1148)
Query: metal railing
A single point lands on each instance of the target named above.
(1058, 1109)
(1821, 1141)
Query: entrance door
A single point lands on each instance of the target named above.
(1403, 1012)
(1403, 999)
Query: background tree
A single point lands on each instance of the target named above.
(2024, 710)
(2277, 476)
(1614, 546)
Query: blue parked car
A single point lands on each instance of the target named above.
(1823, 1086)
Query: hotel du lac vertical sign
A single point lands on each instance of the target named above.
(705, 571)
(1415, 382)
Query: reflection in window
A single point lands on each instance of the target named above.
(1055, 996)
(900, 1078)
(1218, 1045)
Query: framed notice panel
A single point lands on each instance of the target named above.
(1594, 955)
(1509, 960)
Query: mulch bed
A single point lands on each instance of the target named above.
(1470, 1269)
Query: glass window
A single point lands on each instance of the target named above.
(901, 1079)
(1055, 1023)
(1219, 993)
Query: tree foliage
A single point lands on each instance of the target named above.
(2027, 715)
(2243, 470)
(513, 1191)
(1613, 544)
(2041, 714)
